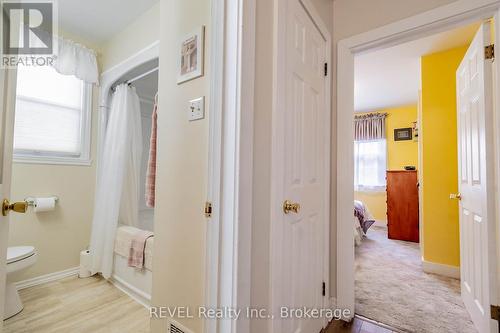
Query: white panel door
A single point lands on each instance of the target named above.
(7, 105)
(304, 131)
(476, 180)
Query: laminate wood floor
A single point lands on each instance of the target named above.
(78, 306)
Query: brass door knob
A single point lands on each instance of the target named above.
(289, 206)
(456, 196)
(18, 207)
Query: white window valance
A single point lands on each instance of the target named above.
(75, 59)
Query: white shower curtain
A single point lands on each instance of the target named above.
(117, 191)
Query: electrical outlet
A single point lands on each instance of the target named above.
(196, 109)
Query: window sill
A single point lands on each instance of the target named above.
(378, 189)
(52, 160)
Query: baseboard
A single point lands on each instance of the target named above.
(136, 294)
(441, 269)
(47, 278)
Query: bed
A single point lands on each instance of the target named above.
(362, 221)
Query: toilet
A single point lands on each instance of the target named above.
(18, 258)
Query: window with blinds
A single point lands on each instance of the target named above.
(370, 165)
(52, 122)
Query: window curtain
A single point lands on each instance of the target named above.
(75, 59)
(370, 152)
(369, 127)
(118, 177)
(71, 58)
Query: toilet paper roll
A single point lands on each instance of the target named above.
(44, 204)
(84, 264)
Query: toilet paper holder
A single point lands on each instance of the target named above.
(30, 201)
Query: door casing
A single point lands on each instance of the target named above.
(434, 21)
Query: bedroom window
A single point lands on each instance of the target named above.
(52, 122)
(370, 165)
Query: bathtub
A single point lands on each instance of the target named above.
(137, 283)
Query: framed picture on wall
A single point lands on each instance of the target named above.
(191, 57)
(403, 134)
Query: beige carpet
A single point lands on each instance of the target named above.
(392, 288)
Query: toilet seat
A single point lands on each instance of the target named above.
(18, 253)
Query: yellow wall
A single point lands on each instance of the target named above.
(376, 203)
(399, 155)
(180, 227)
(439, 157)
(60, 235)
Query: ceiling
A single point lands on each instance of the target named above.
(97, 20)
(391, 77)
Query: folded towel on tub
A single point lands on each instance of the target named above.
(137, 247)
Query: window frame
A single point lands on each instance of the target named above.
(84, 159)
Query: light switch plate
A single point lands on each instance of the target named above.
(196, 109)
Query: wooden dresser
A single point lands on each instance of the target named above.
(402, 205)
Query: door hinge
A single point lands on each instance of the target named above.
(495, 312)
(324, 289)
(326, 69)
(208, 209)
(489, 51)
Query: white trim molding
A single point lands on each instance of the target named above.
(110, 77)
(441, 269)
(51, 277)
(230, 170)
(443, 18)
(136, 294)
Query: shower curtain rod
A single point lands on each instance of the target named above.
(138, 77)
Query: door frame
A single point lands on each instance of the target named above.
(434, 21)
(277, 166)
(230, 166)
(109, 77)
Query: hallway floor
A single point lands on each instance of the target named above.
(78, 305)
(392, 288)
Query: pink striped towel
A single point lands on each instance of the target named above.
(137, 247)
(151, 173)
